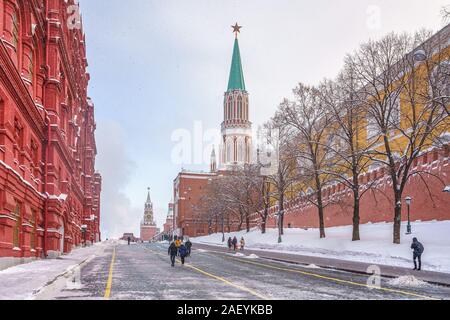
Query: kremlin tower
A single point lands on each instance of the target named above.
(148, 225)
(236, 144)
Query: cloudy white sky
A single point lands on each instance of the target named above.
(160, 66)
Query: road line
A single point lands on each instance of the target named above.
(256, 294)
(228, 282)
(110, 276)
(336, 279)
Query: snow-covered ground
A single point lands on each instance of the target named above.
(23, 282)
(375, 247)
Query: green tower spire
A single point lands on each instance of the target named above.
(236, 81)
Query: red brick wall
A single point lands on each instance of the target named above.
(147, 233)
(378, 206)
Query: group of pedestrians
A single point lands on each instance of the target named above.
(233, 243)
(178, 248)
(183, 250)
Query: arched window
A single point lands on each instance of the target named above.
(247, 150)
(241, 151)
(228, 151)
(31, 66)
(2, 111)
(33, 230)
(15, 30)
(16, 228)
(239, 108)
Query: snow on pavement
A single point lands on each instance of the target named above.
(407, 281)
(22, 282)
(375, 247)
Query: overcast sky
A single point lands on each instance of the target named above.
(158, 67)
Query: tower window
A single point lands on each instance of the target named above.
(15, 30)
(16, 227)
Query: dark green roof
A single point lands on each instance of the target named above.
(236, 81)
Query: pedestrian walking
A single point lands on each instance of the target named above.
(173, 250)
(230, 243)
(235, 242)
(129, 240)
(242, 244)
(417, 254)
(178, 242)
(183, 253)
(188, 247)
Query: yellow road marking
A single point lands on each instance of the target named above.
(110, 276)
(219, 278)
(337, 280)
(228, 282)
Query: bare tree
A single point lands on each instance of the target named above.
(216, 206)
(399, 123)
(445, 12)
(280, 175)
(249, 182)
(308, 120)
(350, 156)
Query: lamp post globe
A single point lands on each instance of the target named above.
(420, 55)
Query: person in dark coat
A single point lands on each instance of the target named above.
(173, 250)
(183, 253)
(188, 247)
(230, 243)
(235, 242)
(129, 240)
(417, 255)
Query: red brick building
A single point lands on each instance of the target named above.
(49, 189)
(188, 190)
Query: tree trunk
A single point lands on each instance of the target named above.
(397, 220)
(263, 226)
(223, 229)
(247, 221)
(281, 217)
(321, 222)
(356, 220)
(356, 217)
(264, 219)
(321, 215)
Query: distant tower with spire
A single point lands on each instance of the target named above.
(148, 224)
(236, 144)
(213, 168)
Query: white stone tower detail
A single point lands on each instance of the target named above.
(236, 144)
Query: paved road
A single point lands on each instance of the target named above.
(143, 272)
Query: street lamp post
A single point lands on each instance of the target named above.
(83, 231)
(408, 201)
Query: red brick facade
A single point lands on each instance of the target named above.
(188, 189)
(49, 189)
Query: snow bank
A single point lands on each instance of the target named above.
(407, 281)
(375, 247)
(22, 282)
